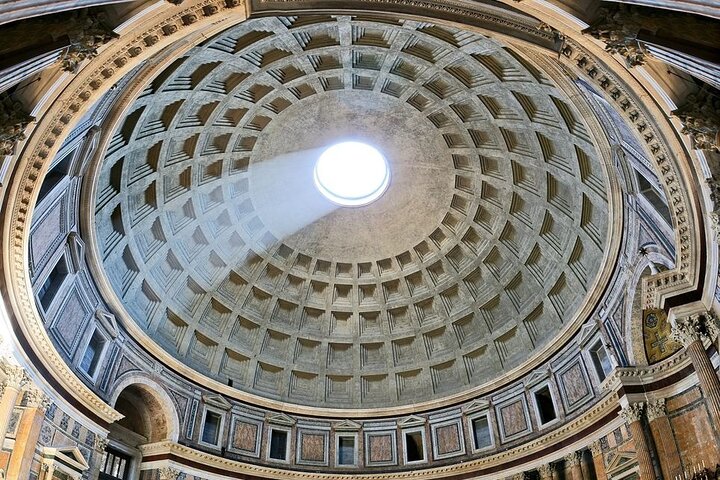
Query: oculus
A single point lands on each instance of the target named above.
(351, 174)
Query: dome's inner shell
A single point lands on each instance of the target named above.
(221, 249)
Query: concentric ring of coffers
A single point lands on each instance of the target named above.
(503, 259)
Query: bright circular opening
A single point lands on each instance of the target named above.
(352, 174)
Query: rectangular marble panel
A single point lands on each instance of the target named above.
(313, 447)
(244, 436)
(380, 448)
(448, 439)
(70, 324)
(574, 385)
(513, 417)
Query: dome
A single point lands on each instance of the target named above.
(482, 251)
(359, 240)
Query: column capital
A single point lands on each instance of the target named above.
(633, 412)
(15, 376)
(712, 326)
(100, 444)
(36, 398)
(572, 458)
(687, 330)
(656, 409)
(595, 448)
(169, 473)
(617, 26)
(546, 471)
(13, 121)
(701, 120)
(90, 33)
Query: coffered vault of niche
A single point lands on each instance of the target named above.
(217, 244)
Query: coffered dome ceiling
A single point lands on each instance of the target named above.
(219, 246)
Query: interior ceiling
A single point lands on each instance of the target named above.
(220, 248)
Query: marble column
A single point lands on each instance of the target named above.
(598, 460)
(15, 378)
(689, 332)
(28, 432)
(662, 434)
(632, 414)
(572, 464)
(546, 471)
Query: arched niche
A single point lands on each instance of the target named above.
(149, 413)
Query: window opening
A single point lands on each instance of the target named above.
(346, 450)
(278, 445)
(601, 361)
(116, 465)
(91, 357)
(211, 428)
(481, 432)
(52, 283)
(545, 405)
(414, 451)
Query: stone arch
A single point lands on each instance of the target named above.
(650, 261)
(149, 411)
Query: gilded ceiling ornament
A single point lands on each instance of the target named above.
(633, 412)
(13, 121)
(700, 116)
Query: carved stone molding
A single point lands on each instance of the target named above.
(57, 120)
(90, 34)
(714, 220)
(657, 141)
(700, 116)
(656, 409)
(687, 331)
(13, 121)
(617, 27)
(633, 412)
(595, 448)
(712, 326)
